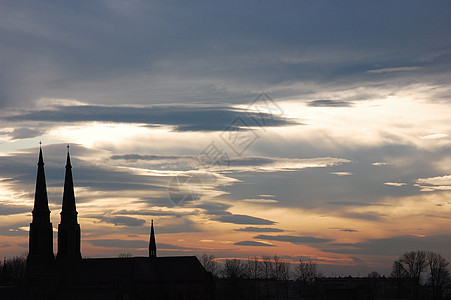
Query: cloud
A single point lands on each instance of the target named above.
(357, 260)
(395, 69)
(133, 244)
(345, 229)
(41, 64)
(369, 216)
(329, 103)
(25, 133)
(118, 243)
(172, 247)
(438, 183)
(122, 221)
(260, 229)
(341, 173)
(241, 164)
(184, 118)
(434, 136)
(243, 220)
(353, 203)
(13, 230)
(6, 210)
(398, 184)
(253, 243)
(297, 240)
(378, 164)
(394, 246)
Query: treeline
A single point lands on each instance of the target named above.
(415, 275)
(264, 267)
(413, 265)
(12, 270)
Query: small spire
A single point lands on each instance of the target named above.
(152, 243)
(67, 148)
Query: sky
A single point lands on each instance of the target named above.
(298, 128)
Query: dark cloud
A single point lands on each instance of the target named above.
(243, 219)
(260, 229)
(13, 230)
(6, 210)
(354, 203)
(172, 247)
(118, 243)
(122, 221)
(25, 133)
(135, 157)
(394, 246)
(253, 243)
(183, 225)
(293, 239)
(150, 212)
(184, 118)
(21, 168)
(133, 244)
(329, 103)
(370, 216)
(215, 208)
(357, 260)
(132, 52)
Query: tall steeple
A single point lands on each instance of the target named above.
(41, 233)
(152, 244)
(69, 235)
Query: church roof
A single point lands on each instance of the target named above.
(141, 269)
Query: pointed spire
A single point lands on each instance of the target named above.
(69, 211)
(41, 211)
(40, 252)
(152, 244)
(69, 233)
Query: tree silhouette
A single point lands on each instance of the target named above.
(438, 273)
(209, 263)
(306, 272)
(414, 263)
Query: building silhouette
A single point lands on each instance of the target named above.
(69, 276)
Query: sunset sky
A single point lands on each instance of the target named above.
(297, 128)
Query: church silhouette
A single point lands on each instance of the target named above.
(69, 276)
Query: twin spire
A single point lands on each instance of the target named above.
(69, 234)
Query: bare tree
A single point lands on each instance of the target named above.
(13, 270)
(414, 264)
(233, 269)
(438, 273)
(267, 267)
(125, 255)
(306, 270)
(281, 269)
(210, 264)
(398, 271)
(374, 274)
(253, 268)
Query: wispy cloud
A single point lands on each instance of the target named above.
(394, 69)
(260, 229)
(243, 220)
(329, 103)
(182, 118)
(293, 239)
(253, 243)
(395, 183)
